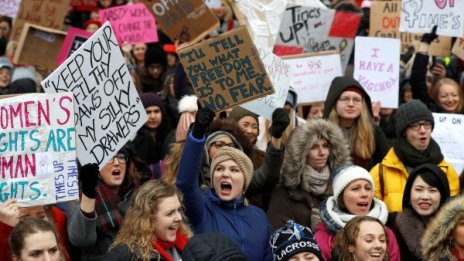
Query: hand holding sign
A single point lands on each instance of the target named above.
(430, 37)
(9, 213)
(89, 179)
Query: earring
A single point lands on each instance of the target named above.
(451, 243)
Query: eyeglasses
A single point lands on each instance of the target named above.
(417, 126)
(219, 144)
(4, 28)
(120, 157)
(346, 100)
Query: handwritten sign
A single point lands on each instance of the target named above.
(458, 48)
(421, 16)
(108, 110)
(34, 38)
(47, 13)
(38, 163)
(279, 72)
(376, 67)
(74, 39)
(448, 134)
(226, 70)
(187, 20)
(9, 7)
(131, 23)
(312, 74)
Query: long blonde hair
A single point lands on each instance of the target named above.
(138, 226)
(172, 162)
(448, 81)
(361, 138)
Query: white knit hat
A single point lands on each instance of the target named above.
(346, 174)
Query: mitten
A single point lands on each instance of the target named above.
(280, 122)
(202, 120)
(429, 37)
(89, 178)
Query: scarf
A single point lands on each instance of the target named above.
(317, 181)
(162, 246)
(334, 219)
(106, 207)
(456, 254)
(411, 227)
(413, 158)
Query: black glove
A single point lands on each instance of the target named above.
(429, 37)
(203, 118)
(89, 178)
(280, 122)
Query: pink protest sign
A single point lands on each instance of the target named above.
(131, 23)
(73, 40)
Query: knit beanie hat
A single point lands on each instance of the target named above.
(411, 112)
(155, 55)
(187, 108)
(346, 174)
(151, 99)
(242, 160)
(292, 239)
(216, 135)
(238, 112)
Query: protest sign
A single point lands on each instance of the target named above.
(38, 163)
(312, 74)
(376, 67)
(458, 48)
(213, 3)
(226, 70)
(9, 7)
(421, 16)
(187, 20)
(131, 23)
(108, 110)
(84, 4)
(279, 73)
(75, 37)
(47, 13)
(447, 132)
(39, 46)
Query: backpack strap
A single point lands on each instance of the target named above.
(382, 185)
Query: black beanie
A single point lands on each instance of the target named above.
(155, 55)
(411, 112)
(212, 247)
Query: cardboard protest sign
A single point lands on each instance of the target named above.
(226, 70)
(447, 132)
(376, 67)
(131, 23)
(75, 37)
(421, 16)
(279, 72)
(187, 20)
(47, 13)
(9, 7)
(39, 46)
(458, 48)
(312, 74)
(108, 110)
(38, 163)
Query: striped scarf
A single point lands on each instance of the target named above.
(106, 206)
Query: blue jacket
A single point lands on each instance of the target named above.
(246, 225)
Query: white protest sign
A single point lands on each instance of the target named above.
(213, 3)
(449, 135)
(38, 163)
(312, 74)
(108, 110)
(9, 8)
(279, 74)
(376, 67)
(421, 16)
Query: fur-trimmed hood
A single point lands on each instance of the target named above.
(300, 142)
(435, 241)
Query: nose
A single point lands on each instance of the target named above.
(47, 257)
(178, 216)
(365, 193)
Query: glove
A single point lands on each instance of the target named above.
(429, 37)
(280, 122)
(89, 178)
(202, 120)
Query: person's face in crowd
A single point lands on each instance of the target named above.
(220, 142)
(250, 126)
(318, 154)
(4, 29)
(94, 15)
(154, 117)
(349, 106)
(113, 173)
(418, 135)
(139, 52)
(92, 28)
(458, 234)
(172, 59)
(228, 180)
(316, 111)
(407, 95)
(371, 242)
(5, 77)
(425, 199)
(36, 212)
(448, 98)
(220, 11)
(106, 3)
(304, 256)
(168, 218)
(41, 245)
(357, 197)
(156, 70)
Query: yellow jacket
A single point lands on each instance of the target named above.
(394, 180)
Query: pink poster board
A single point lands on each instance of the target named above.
(73, 40)
(131, 23)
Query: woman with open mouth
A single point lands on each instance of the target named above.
(353, 195)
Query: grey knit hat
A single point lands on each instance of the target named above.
(411, 112)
